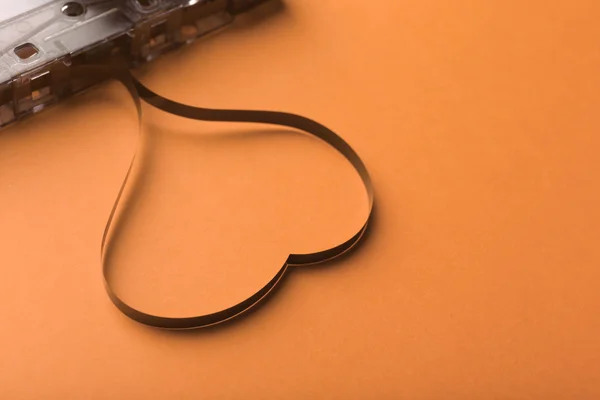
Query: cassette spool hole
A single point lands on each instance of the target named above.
(73, 9)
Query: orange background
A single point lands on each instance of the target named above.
(479, 123)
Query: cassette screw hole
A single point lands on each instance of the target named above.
(26, 51)
(73, 9)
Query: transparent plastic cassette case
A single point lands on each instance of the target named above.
(41, 40)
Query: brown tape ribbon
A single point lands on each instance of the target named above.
(139, 93)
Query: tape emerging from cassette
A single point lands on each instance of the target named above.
(42, 40)
(139, 92)
(53, 49)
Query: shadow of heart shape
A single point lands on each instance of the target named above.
(302, 124)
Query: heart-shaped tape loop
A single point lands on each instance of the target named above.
(139, 93)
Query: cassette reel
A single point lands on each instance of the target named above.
(42, 40)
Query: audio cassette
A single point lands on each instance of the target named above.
(41, 41)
